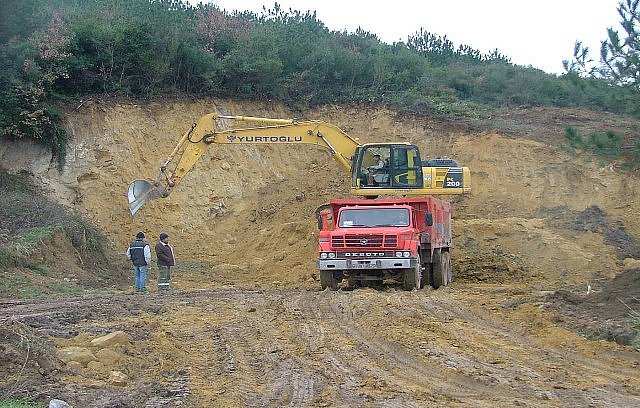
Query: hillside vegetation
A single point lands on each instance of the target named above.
(54, 52)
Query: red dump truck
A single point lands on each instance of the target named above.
(406, 239)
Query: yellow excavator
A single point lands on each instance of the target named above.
(375, 168)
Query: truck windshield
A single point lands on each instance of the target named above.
(374, 217)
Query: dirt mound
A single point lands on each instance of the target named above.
(610, 312)
(45, 247)
(594, 219)
(28, 364)
(56, 267)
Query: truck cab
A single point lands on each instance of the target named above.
(365, 240)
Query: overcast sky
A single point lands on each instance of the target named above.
(540, 33)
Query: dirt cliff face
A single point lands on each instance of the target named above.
(250, 209)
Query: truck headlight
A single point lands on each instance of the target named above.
(406, 254)
(331, 255)
(398, 254)
(323, 255)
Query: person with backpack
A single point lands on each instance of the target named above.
(139, 253)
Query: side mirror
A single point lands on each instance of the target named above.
(325, 220)
(429, 219)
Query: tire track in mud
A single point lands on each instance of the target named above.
(259, 370)
(551, 373)
(374, 365)
(531, 365)
(235, 347)
(403, 368)
(521, 377)
(342, 377)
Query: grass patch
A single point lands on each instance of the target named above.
(12, 284)
(62, 289)
(5, 258)
(20, 286)
(31, 238)
(449, 105)
(18, 403)
(17, 249)
(39, 269)
(15, 182)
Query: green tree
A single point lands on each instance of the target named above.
(619, 54)
(33, 58)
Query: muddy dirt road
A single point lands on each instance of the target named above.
(466, 345)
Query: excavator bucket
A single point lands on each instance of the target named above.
(140, 191)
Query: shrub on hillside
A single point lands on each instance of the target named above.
(33, 59)
(607, 146)
(53, 50)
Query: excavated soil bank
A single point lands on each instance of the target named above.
(543, 252)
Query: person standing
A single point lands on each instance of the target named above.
(139, 253)
(166, 260)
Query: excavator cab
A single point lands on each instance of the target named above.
(386, 166)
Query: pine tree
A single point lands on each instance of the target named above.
(619, 53)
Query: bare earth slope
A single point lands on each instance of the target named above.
(538, 243)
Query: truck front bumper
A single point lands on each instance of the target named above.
(365, 264)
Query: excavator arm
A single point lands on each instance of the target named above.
(207, 131)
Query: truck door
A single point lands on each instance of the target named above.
(405, 168)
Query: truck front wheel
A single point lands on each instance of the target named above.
(327, 280)
(413, 276)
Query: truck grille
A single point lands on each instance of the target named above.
(364, 241)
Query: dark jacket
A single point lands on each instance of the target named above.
(165, 255)
(136, 251)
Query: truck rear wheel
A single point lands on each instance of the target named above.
(438, 274)
(446, 260)
(327, 280)
(413, 276)
(426, 275)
